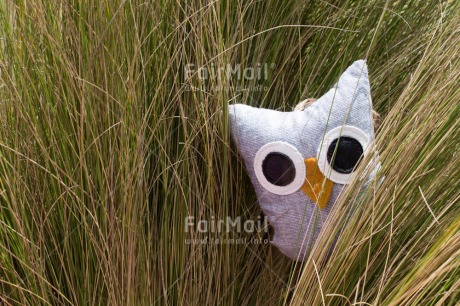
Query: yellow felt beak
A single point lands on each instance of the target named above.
(317, 187)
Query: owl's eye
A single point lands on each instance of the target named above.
(341, 152)
(279, 167)
(344, 154)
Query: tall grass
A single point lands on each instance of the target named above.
(106, 146)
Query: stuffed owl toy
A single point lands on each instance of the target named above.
(300, 161)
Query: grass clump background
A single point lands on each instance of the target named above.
(107, 145)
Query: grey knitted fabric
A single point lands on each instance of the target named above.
(295, 218)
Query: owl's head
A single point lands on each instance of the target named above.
(300, 161)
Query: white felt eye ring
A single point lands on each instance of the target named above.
(353, 145)
(280, 168)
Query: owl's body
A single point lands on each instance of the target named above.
(300, 161)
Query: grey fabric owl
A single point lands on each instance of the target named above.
(300, 161)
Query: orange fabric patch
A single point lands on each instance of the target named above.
(317, 187)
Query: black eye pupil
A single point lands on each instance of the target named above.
(278, 169)
(347, 155)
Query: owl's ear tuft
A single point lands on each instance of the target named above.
(234, 116)
(241, 117)
(349, 101)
